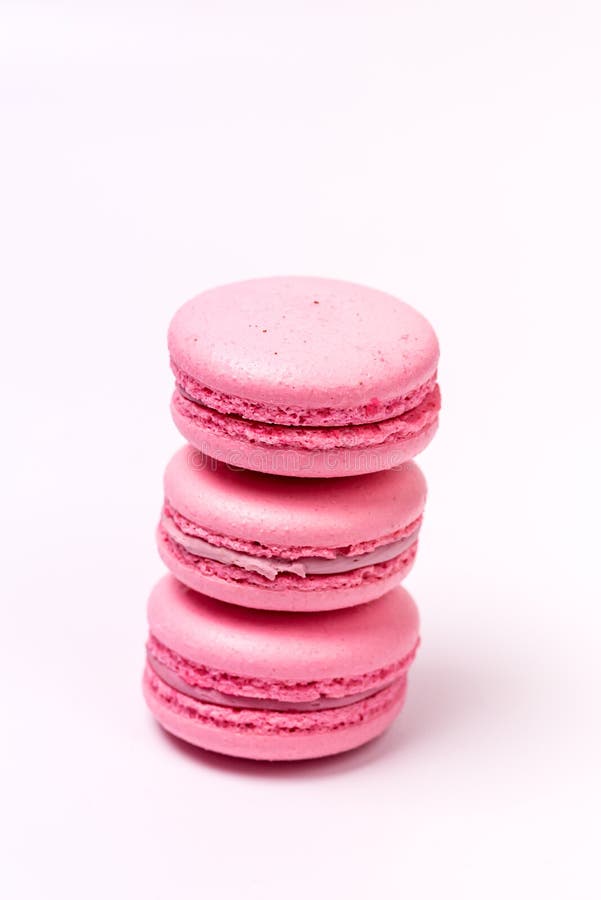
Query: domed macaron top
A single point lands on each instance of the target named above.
(303, 351)
(290, 512)
(283, 646)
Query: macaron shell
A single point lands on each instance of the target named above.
(289, 512)
(286, 598)
(320, 461)
(259, 741)
(283, 645)
(305, 342)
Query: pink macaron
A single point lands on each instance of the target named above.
(304, 376)
(275, 685)
(274, 542)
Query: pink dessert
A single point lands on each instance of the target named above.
(304, 376)
(275, 685)
(273, 542)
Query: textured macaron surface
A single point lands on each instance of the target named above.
(276, 542)
(215, 568)
(304, 352)
(267, 515)
(249, 722)
(230, 648)
(276, 685)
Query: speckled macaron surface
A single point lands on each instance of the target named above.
(276, 685)
(275, 542)
(304, 376)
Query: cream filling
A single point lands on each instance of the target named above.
(271, 568)
(208, 695)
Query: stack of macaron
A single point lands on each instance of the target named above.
(290, 517)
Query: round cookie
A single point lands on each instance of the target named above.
(276, 686)
(272, 542)
(304, 376)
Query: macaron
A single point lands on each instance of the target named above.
(276, 542)
(273, 685)
(304, 377)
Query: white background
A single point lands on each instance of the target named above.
(447, 152)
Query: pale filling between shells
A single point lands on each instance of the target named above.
(209, 695)
(218, 688)
(274, 566)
